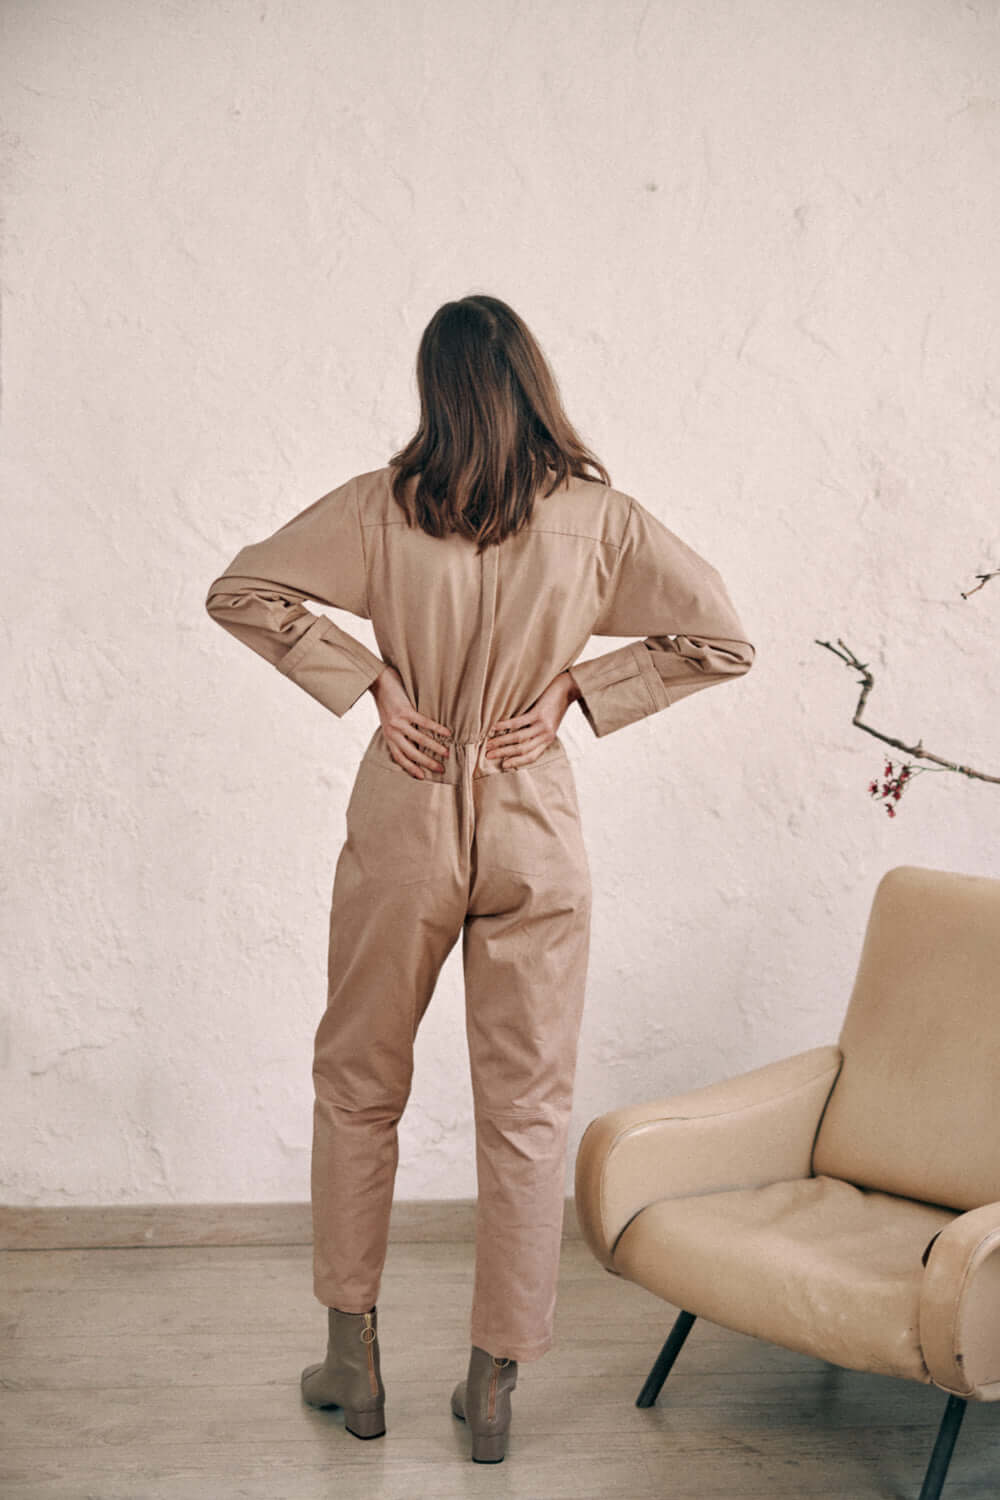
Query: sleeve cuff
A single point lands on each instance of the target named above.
(619, 687)
(330, 665)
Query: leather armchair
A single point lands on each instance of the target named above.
(845, 1201)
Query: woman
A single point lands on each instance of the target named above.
(485, 555)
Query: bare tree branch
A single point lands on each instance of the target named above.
(917, 751)
(983, 578)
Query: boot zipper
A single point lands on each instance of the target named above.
(370, 1341)
(491, 1409)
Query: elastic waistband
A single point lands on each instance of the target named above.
(481, 739)
(473, 761)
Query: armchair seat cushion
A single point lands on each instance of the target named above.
(814, 1264)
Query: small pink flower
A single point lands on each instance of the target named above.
(892, 788)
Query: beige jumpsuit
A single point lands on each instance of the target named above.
(494, 856)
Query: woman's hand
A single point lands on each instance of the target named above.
(404, 728)
(518, 742)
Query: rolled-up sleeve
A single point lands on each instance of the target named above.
(260, 599)
(662, 589)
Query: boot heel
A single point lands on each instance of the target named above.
(489, 1448)
(365, 1424)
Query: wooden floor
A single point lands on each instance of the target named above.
(166, 1374)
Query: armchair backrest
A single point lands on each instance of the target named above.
(915, 1109)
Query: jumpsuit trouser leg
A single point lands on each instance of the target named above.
(525, 966)
(497, 859)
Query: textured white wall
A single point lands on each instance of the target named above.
(759, 243)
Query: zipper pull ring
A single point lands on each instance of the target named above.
(368, 1338)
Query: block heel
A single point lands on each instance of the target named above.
(489, 1450)
(365, 1424)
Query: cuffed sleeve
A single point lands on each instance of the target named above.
(662, 589)
(260, 599)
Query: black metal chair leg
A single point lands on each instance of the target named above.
(665, 1359)
(943, 1445)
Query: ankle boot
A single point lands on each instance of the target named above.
(351, 1374)
(483, 1400)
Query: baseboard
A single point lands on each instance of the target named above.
(120, 1226)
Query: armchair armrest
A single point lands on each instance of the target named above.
(960, 1305)
(743, 1132)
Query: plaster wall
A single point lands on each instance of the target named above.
(759, 243)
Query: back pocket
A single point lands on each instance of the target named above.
(529, 821)
(395, 824)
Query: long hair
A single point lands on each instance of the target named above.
(492, 426)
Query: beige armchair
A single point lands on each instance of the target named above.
(844, 1202)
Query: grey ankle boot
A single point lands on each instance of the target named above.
(483, 1400)
(351, 1374)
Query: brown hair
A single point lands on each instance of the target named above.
(492, 426)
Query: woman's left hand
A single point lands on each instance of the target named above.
(518, 742)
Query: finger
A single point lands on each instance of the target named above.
(415, 756)
(525, 754)
(417, 774)
(401, 761)
(519, 723)
(522, 759)
(511, 736)
(432, 725)
(504, 747)
(424, 739)
(512, 739)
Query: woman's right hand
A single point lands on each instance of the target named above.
(519, 741)
(405, 729)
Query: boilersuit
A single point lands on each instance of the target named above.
(492, 855)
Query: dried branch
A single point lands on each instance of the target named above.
(917, 750)
(983, 578)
